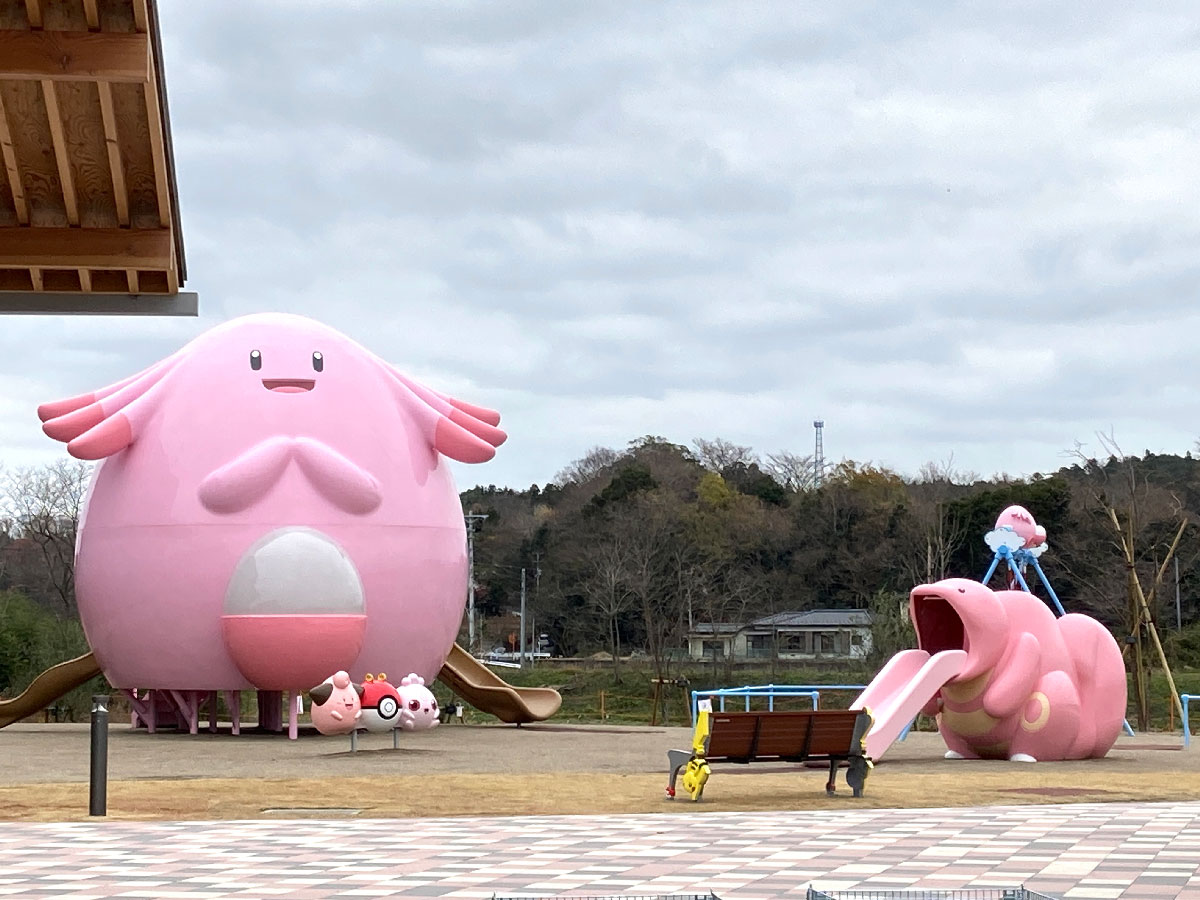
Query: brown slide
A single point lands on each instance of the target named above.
(48, 687)
(484, 689)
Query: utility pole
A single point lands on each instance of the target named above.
(521, 649)
(471, 519)
(534, 637)
(818, 453)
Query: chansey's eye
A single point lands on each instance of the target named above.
(318, 361)
(255, 360)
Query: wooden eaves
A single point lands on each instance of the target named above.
(89, 216)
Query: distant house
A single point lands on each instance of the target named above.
(815, 634)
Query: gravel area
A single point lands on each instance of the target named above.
(43, 753)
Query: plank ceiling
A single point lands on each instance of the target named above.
(87, 184)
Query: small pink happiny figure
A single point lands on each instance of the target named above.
(336, 704)
(418, 706)
(1021, 521)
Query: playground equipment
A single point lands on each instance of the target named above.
(1017, 541)
(336, 704)
(1187, 731)
(483, 689)
(271, 506)
(418, 706)
(380, 704)
(833, 735)
(341, 707)
(783, 691)
(48, 687)
(1003, 676)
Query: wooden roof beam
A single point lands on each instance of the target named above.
(10, 164)
(158, 151)
(93, 248)
(61, 156)
(74, 56)
(116, 165)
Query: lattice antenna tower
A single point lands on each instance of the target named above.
(819, 453)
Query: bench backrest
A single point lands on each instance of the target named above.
(795, 735)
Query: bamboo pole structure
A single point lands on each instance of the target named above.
(1144, 616)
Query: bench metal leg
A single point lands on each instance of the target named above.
(676, 760)
(856, 775)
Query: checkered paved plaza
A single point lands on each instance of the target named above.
(1076, 851)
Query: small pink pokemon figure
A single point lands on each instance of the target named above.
(336, 704)
(418, 706)
(1021, 521)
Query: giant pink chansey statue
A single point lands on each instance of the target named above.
(1005, 678)
(271, 505)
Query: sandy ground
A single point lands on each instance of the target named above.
(537, 769)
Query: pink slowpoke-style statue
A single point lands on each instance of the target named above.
(418, 706)
(1029, 686)
(271, 506)
(336, 704)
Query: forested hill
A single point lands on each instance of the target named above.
(622, 545)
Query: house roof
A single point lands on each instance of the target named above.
(716, 628)
(89, 214)
(813, 618)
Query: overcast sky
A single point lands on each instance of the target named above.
(971, 229)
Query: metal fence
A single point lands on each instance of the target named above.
(709, 896)
(1017, 893)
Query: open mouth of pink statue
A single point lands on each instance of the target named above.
(288, 652)
(289, 385)
(939, 627)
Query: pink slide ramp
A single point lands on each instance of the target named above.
(903, 686)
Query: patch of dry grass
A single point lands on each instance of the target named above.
(565, 793)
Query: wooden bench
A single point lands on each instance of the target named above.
(826, 735)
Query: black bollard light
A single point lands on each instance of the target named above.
(98, 790)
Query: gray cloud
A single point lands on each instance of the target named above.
(963, 228)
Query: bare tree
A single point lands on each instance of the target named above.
(937, 534)
(935, 538)
(944, 472)
(1126, 500)
(792, 470)
(591, 465)
(719, 454)
(43, 504)
(655, 520)
(7, 527)
(606, 561)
